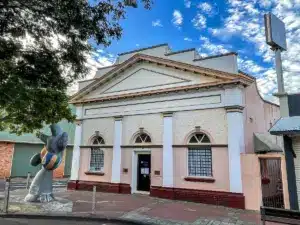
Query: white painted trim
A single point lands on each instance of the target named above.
(139, 105)
(236, 146)
(117, 153)
(168, 159)
(134, 165)
(76, 148)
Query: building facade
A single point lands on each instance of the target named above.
(173, 125)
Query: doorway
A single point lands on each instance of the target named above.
(143, 172)
(271, 183)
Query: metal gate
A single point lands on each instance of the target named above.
(271, 183)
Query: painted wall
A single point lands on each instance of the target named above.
(101, 71)
(186, 57)
(126, 163)
(6, 155)
(85, 164)
(252, 179)
(158, 51)
(219, 166)
(152, 124)
(105, 126)
(156, 165)
(258, 115)
(211, 121)
(225, 63)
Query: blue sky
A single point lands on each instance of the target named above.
(214, 27)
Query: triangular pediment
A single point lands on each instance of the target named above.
(147, 73)
(144, 78)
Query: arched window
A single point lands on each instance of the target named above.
(98, 141)
(97, 155)
(199, 157)
(142, 138)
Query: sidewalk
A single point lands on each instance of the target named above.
(140, 209)
(158, 211)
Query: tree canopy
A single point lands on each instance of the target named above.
(43, 50)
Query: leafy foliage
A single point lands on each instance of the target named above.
(43, 50)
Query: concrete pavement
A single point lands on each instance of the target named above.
(13, 221)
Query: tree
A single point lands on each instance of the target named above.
(43, 49)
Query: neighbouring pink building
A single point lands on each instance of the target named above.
(179, 126)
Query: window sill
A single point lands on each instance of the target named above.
(94, 173)
(200, 179)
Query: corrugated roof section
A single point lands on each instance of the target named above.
(286, 125)
(31, 138)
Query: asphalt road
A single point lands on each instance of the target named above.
(51, 222)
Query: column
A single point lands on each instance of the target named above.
(236, 146)
(168, 159)
(77, 143)
(116, 162)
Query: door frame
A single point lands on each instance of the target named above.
(134, 165)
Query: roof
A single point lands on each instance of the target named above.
(180, 51)
(224, 76)
(286, 125)
(142, 49)
(216, 56)
(263, 143)
(31, 138)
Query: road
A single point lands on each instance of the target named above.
(51, 222)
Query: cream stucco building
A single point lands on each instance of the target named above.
(173, 125)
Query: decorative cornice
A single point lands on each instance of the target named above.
(234, 108)
(204, 86)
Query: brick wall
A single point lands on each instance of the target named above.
(6, 154)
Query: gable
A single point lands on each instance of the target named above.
(145, 77)
(199, 76)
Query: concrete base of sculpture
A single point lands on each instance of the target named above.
(41, 187)
(18, 205)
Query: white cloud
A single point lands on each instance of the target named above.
(157, 23)
(209, 48)
(205, 7)
(187, 39)
(177, 18)
(187, 3)
(199, 21)
(245, 20)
